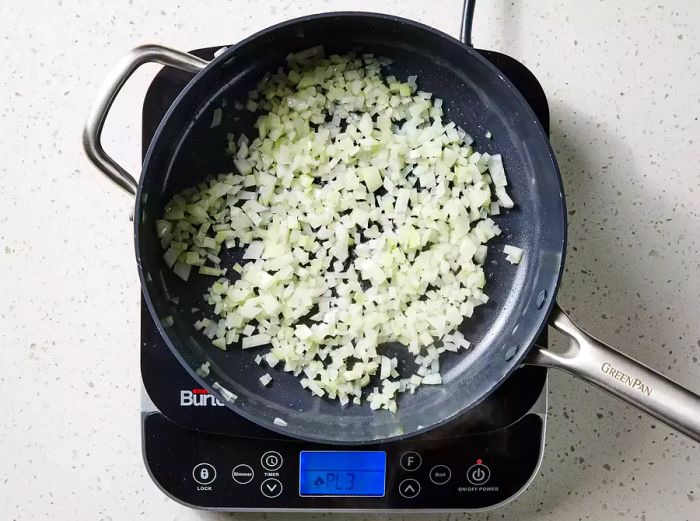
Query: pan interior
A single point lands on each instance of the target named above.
(185, 150)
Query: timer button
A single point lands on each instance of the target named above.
(409, 488)
(440, 474)
(410, 461)
(271, 460)
(478, 474)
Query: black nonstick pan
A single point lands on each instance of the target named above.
(477, 97)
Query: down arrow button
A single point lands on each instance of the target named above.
(271, 487)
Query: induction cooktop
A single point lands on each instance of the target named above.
(204, 455)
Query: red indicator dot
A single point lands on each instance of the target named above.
(479, 461)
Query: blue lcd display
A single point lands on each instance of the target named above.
(342, 473)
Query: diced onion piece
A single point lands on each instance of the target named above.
(171, 256)
(432, 379)
(372, 178)
(225, 393)
(255, 341)
(182, 270)
(513, 254)
(504, 198)
(255, 250)
(216, 118)
(204, 369)
(248, 330)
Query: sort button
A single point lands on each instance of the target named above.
(440, 474)
(410, 461)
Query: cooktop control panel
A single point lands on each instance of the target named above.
(462, 472)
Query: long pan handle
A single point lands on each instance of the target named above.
(596, 362)
(92, 135)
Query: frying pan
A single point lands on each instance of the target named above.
(503, 332)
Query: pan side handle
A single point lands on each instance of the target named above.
(636, 384)
(92, 135)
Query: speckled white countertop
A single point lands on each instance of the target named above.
(622, 80)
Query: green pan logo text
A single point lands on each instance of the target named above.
(634, 383)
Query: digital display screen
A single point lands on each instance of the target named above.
(342, 473)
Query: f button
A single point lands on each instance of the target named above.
(411, 461)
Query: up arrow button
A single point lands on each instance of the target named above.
(409, 488)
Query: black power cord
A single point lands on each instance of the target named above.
(467, 20)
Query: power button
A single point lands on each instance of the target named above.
(478, 474)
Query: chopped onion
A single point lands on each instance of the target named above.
(182, 270)
(225, 393)
(432, 379)
(254, 251)
(255, 341)
(363, 218)
(204, 369)
(513, 254)
(248, 330)
(216, 118)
